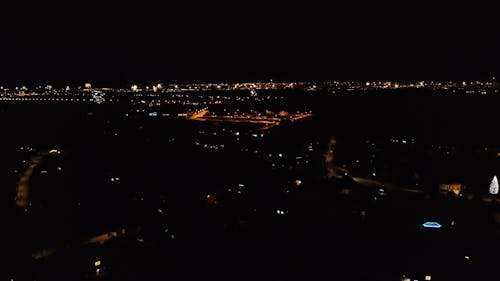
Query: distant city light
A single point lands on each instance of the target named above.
(427, 277)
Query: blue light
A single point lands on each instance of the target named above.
(431, 224)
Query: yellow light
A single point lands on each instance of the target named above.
(97, 263)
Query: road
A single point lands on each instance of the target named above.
(268, 121)
(378, 184)
(23, 186)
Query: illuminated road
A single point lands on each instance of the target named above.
(389, 186)
(105, 237)
(198, 114)
(23, 187)
(298, 117)
(101, 239)
(268, 121)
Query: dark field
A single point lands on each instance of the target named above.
(146, 175)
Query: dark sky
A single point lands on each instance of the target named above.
(122, 42)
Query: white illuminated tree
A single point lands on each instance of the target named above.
(494, 186)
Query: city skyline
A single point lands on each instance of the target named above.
(162, 140)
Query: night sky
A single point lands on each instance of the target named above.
(119, 43)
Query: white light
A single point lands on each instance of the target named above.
(494, 186)
(427, 277)
(467, 257)
(97, 263)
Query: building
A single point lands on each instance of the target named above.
(455, 188)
